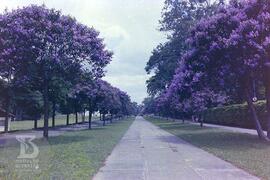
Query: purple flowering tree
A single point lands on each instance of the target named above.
(248, 48)
(177, 19)
(113, 101)
(228, 53)
(107, 97)
(41, 44)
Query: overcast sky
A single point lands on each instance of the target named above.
(129, 28)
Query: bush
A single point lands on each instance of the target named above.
(236, 115)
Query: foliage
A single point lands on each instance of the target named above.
(178, 17)
(236, 115)
(227, 60)
(149, 105)
(57, 58)
(162, 63)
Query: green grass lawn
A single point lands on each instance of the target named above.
(243, 150)
(72, 155)
(60, 120)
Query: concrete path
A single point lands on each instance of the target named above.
(6, 139)
(149, 153)
(234, 129)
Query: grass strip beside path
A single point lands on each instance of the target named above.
(72, 155)
(243, 150)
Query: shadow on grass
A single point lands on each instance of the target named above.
(185, 127)
(96, 128)
(220, 140)
(54, 140)
(211, 137)
(64, 139)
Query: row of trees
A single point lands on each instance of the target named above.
(226, 60)
(49, 61)
(178, 18)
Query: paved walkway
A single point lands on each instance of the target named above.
(234, 129)
(6, 139)
(149, 153)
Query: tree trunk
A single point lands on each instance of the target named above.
(83, 116)
(6, 126)
(90, 119)
(111, 118)
(76, 117)
(103, 118)
(53, 114)
(201, 123)
(67, 119)
(46, 109)
(8, 103)
(255, 117)
(100, 117)
(267, 96)
(201, 120)
(35, 123)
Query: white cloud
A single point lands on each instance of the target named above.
(134, 84)
(114, 36)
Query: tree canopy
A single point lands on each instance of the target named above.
(57, 57)
(178, 17)
(227, 54)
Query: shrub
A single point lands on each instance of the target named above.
(236, 115)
